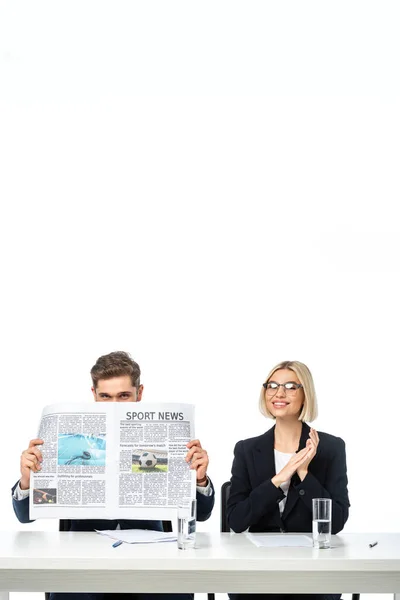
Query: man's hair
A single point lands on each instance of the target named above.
(115, 364)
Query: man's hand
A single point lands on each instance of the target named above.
(30, 461)
(312, 445)
(198, 458)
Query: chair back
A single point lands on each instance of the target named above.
(225, 491)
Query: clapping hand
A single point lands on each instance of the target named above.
(311, 445)
(299, 462)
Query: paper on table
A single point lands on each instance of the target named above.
(280, 540)
(138, 536)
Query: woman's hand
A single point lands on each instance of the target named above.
(312, 445)
(293, 465)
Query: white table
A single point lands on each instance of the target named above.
(49, 561)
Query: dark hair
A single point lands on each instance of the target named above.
(115, 364)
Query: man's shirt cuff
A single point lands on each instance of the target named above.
(22, 494)
(206, 491)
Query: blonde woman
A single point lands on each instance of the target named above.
(276, 475)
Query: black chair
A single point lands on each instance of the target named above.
(225, 491)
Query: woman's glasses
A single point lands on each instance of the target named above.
(290, 387)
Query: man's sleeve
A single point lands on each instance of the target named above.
(21, 506)
(205, 501)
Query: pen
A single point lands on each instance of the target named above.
(119, 542)
(373, 544)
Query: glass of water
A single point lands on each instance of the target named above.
(187, 524)
(322, 520)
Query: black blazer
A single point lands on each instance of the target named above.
(254, 500)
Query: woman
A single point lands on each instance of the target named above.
(276, 475)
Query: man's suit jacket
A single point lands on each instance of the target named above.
(205, 505)
(254, 500)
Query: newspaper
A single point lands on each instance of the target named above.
(113, 460)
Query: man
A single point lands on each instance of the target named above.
(116, 378)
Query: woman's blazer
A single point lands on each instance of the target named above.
(254, 500)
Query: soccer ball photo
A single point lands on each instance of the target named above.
(147, 460)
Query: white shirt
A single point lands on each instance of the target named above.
(281, 460)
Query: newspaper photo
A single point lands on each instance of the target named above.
(113, 460)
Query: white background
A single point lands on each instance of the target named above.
(213, 187)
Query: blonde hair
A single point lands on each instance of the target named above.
(309, 411)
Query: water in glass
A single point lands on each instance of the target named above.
(186, 532)
(322, 533)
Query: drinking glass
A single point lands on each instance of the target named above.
(187, 524)
(322, 520)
